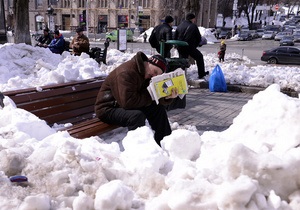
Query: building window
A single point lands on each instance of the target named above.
(39, 3)
(103, 4)
(66, 3)
(145, 4)
(81, 3)
(122, 4)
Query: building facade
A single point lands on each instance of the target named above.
(103, 15)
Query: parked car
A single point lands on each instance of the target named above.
(245, 36)
(268, 35)
(224, 34)
(260, 32)
(287, 41)
(284, 54)
(296, 35)
(254, 34)
(279, 36)
(113, 35)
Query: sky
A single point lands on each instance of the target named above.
(253, 165)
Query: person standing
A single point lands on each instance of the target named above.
(145, 37)
(80, 43)
(124, 100)
(45, 39)
(57, 45)
(162, 33)
(222, 51)
(188, 31)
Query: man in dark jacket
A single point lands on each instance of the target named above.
(163, 33)
(45, 39)
(80, 43)
(124, 100)
(188, 31)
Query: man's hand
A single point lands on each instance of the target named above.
(174, 93)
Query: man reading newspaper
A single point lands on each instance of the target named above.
(124, 100)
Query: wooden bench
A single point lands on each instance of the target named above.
(71, 102)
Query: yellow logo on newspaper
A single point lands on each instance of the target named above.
(163, 88)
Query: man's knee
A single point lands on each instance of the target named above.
(136, 120)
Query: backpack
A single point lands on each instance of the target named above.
(153, 40)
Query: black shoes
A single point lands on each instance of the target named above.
(201, 76)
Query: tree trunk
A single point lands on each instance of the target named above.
(21, 12)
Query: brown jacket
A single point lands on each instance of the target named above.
(80, 44)
(125, 87)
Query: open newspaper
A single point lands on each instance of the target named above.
(161, 85)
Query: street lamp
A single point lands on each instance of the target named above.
(137, 22)
(50, 11)
(234, 9)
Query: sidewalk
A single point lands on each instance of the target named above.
(210, 111)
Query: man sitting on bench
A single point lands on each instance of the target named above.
(124, 100)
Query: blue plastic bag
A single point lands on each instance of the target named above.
(217, 81)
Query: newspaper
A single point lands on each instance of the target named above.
(161, 85)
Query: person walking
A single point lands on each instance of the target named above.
(124, 100)
(57, 45)
(222, 51)
(188, 31)
(80, 43)
(45, 39)
(162, 33)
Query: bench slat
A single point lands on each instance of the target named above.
(32, 96)
(92, 129)
(56, 102)
(62, 116)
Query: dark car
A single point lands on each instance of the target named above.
(260, 32)
(296, 35)
(287, 41)
(284, 54)
(245, 36)
(224, 34)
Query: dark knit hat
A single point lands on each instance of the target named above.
(79, 29)
(56, 32)
(190, 16)
(169, 19)
(46, 29)
(159, 61)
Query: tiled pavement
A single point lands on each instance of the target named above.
(210, 111)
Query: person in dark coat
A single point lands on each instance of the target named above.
(124, 100)
(163, 33)
(57, 45)
(188, 31)
(45, 39)
(80, 43)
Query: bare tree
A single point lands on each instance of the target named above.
(181, 8)
(21, 11)
(225, 8)
(249, 6)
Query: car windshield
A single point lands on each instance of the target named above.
(223, 32)
(287, 38)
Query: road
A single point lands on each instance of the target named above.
(252, 49)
